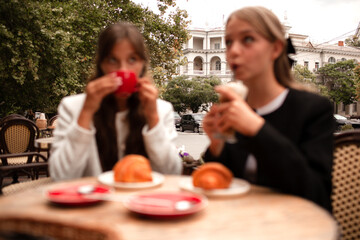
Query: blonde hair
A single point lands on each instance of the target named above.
(268, 25)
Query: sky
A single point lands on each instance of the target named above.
(322, 20)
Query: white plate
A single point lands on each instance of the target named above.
(237, 187)
(107, 178)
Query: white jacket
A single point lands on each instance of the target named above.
(74, 152)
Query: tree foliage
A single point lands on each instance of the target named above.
(195, 94)
(357, 80)
(303, 75)
(353, 41)
(47, 46)
(340, 80)
(308, 79)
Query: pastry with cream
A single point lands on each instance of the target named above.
(238, 87)
(241, 90)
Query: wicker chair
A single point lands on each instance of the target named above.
(346, 183)
(53, 120)
(51, 126)
(9, 117)
(18, 154)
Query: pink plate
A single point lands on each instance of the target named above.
(68, 195)
(165, 204)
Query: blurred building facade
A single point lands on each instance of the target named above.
(204, 55)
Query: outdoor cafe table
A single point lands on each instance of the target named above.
(44, 142)
(259, 214)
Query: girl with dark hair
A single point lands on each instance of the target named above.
(97, 128)
(284, 135)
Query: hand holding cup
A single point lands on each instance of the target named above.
(128, 84)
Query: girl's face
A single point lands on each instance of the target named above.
(249, 55)
(123, 57)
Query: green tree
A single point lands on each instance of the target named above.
(308, 79)
(353, 41)
(176, 92)
(340, 80)
(357, 80)
(47, 47)
(195, 94)
(303, 75)
(39, 56)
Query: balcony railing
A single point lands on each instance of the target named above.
(215, 72)
(199, 72)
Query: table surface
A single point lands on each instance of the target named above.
(258, 214)
(44, 142)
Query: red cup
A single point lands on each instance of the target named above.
(128, 82)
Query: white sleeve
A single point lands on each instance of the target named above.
(160, 141)
(73, 153)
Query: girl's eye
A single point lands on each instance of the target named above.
(228, 42)
(133, 59)
(112, 60)
(248, 39)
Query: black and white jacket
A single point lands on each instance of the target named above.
(293, 150)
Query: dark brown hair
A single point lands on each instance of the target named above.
(104, 118)
(268, 25)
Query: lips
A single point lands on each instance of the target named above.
(234, 67)
(238, 70)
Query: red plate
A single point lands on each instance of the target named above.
(166, 204)
(68, 195)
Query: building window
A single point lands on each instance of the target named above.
(218, 65)
(355, 107)
(317, 66)
(343, 59)
(306, 64)
(217, 45)
(343, 108)
(331, 60)
(198, 64)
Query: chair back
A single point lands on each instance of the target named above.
(346, 183)
(53, 121)
(9, 117)
(17, 136)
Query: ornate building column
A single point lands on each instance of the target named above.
(191, 43)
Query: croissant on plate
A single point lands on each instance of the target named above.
(212, 175)
(132, 168)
